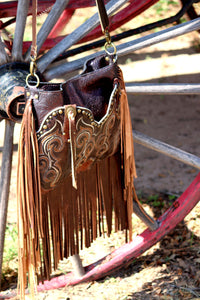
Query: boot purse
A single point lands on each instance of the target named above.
(76, 164)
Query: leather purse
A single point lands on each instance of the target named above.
(76, 165)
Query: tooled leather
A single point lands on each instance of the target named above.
(97, 140)
(94, 141)
(54, 153)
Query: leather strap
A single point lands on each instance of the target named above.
(102, 15)
(34, 30)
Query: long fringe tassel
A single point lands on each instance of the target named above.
(29, 203)
(128, 161)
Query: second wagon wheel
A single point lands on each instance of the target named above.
(15, 54)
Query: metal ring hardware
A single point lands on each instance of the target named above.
(109, 45)
(37, 82)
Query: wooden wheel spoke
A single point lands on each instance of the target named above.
(3, 55)
(127, 48)
(171, 151)
(5, 182)
(163, 88)
(22, 11)
(49, 23)
(76, 35)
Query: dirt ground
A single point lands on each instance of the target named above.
(171, 269)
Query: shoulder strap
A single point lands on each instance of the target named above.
(34, 30)
(102, 15)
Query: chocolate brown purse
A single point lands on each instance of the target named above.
(76, 165)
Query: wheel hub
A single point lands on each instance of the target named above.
(12, 82)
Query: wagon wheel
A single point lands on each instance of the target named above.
(182, 206)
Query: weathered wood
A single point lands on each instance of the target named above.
(158, 37)
(171, 151)
(3, 55)
(77, 265)
(76, 35)
(49, 23)
(22, 11)
(15, 147)
(163, 89)
(6, 167)
(127, 48)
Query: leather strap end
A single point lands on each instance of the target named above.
(102, 15)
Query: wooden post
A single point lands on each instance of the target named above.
(6, 167)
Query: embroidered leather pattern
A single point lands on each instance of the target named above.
(50, 145)
(95, 140)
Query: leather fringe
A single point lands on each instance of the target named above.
(128, 161)
(78, 216)
(29, 201)
(61, 222)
